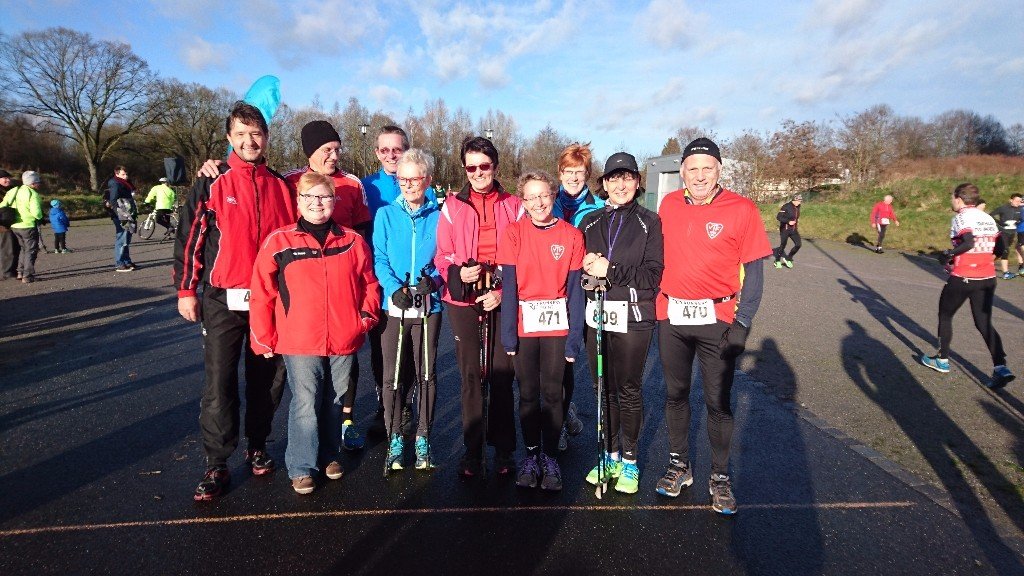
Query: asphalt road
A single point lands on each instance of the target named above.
(848, 457)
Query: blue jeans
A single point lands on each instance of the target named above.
(318, 385)
(122, 238)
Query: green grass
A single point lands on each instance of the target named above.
(922, 205)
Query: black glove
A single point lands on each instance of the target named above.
(401, 299)
(734, 341)
(944, 257)
(426, 285)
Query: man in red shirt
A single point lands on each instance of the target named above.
(710, 290)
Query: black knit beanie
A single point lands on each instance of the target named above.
(317, 133)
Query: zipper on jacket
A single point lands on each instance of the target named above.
(259, 213)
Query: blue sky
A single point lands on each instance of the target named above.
(624, 75)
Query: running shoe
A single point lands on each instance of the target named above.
(1008, 276)
(504, 463)
(470, 467)
(395, 453)
(629, 480)
(778, 265)
(1020, 271)
(351, 439)
(612, 470)
(215, 481)
(260, 461)
(529, 472)
(677, 477)
(303, 485)
(423, 459)
(936, 363)
(722, 500)
(878, 250)
(334, 471)
(552, 473)
(1001, 376)
(787, 262)
(573, 422)
(563, 440)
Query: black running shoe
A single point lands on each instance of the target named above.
(504, 463)
(470, 467)
(260, 461)
(215, 481)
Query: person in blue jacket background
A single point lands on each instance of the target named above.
(404, 242)
(59, 222)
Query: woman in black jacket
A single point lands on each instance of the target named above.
(625, 253)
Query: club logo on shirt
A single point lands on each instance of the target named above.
(714, 229)
(231, 200)
(557, 251)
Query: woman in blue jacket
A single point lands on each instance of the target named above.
(404, 242)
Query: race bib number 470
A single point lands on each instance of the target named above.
(544, 315)
(691, 312)
(238, 299)
(614, 317)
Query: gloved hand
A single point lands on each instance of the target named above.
(367, 320)
(426, 285)
(734, 341)
(401, 299)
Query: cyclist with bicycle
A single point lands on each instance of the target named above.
(163, 196)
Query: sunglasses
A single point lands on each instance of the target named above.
(485, 167)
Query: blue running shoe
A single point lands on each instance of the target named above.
(351, 439)
(1001, 376)
(936, 363)
(395, 453)
(423, 459)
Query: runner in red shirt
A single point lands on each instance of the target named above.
(972, 276)
(881, 216)
(715, 244)
(542, 320)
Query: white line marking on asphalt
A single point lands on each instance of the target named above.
(429, 511)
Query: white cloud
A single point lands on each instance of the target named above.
(612, 111)
(672, 24)
(385, 96)
(396, 61)
(200, 55)
(844, 16)
(302, 31)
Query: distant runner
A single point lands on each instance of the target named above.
(881, 216)
(789, 218)
(1007, 217)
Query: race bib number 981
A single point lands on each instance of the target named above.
(615, 317)
(691, 312)
(544, 315)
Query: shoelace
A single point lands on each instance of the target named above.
(531, 466)
(630, 472)
(421, 447)
(674, 473)
(550, 467)
(721, 488)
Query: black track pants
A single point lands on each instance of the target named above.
(785, 235)
(501, 427)
(625, 356)
(225, 339)
(412, 352)
(980, 293)
(679, 345)
(540, 367)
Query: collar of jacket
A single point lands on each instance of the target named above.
(235, 161)
(336, 228)
(464, 193)
(428, 205)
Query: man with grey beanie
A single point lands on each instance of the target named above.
(25, 200)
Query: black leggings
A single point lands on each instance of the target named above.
(625, 356)
(679, 345)
(785, 235)
(980, 292)
(60, 241)
(881, 234)
(540, 364)
(412, 350)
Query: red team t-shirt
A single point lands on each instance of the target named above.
(350, 209)
(543, 258)
(705, 245)
(976, 262)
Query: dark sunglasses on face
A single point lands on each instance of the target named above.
(485, 167)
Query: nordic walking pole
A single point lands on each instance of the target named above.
(425, 403)
(394, 384)
(602, 473)
(484, 327)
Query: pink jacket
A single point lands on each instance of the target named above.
(458, 231)
(882, 210)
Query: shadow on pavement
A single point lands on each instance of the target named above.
(884, 379)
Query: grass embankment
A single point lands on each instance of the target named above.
(921, 204)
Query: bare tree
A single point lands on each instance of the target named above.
(93, 92)
(688, 134)
(543, 149)
(1015, 138)
(866, 143)
(193, 124)
(749, 174)
(802, 154)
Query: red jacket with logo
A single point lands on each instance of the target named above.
(224, 222)
(306, 300)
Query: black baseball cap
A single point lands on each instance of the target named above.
(702, 146)
(620, 161)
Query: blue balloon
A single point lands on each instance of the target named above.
(265, 95)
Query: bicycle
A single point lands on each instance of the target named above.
(148, 225)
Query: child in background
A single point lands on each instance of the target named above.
(59, 222)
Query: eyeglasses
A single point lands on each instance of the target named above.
(411, 181)
(485, 167)
(328, 152)
(575, 173)
(395, 151)
(314, 199)
(628, 178)
(537, 197)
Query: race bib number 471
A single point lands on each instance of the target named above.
(691, 312)
(544, 315)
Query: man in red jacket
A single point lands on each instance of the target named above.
(223, 224)
(881, 216)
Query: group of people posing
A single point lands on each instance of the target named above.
(294, 272)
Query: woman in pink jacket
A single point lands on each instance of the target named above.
(881, 216)
(467, 244)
